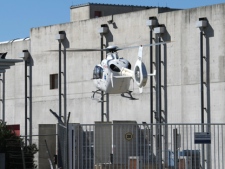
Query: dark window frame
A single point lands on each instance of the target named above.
(97, 14)
(53, 81)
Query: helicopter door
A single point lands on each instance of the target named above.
(97, 72)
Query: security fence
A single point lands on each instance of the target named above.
(128, 145)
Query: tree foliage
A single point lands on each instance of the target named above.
(16, 155)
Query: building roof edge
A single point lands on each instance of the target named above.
(89, 3)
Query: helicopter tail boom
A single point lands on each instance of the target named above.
(152, 74)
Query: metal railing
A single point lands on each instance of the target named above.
(128, 145)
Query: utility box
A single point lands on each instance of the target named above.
(190, 159)
(125, 140)
(102, 142)
(135, 162)
(115, 142)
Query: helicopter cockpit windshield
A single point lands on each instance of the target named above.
(97, 72)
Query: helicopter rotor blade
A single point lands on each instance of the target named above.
(152, 44)
(109, 48)
(79, 50)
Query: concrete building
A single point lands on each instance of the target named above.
(127, 27)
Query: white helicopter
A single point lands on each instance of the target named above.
(113, 74)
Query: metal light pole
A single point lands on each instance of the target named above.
(60, 37)
(151, 23)
(3, 96)
(202, 23)
(102, 31)
(159, 30)
(28, 64)
(5, 64)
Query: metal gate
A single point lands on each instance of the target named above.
(128, 145)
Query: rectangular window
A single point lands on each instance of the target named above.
(97, 14)
(54, 81)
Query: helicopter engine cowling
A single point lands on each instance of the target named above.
(127, 72)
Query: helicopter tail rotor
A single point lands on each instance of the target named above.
(140, 72)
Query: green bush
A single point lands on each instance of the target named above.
(16, 155)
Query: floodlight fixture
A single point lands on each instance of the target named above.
(60, 36)
(103, 29)
(201, 23)
(151, 22)
(24, 55)
(160, 29)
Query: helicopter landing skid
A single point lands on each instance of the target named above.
(130, 95)
(93, 96)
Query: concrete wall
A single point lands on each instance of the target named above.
(79, 13)
(183, 67)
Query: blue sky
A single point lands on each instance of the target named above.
(18, 16)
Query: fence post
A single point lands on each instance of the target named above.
(24, 164)
(175, 148)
